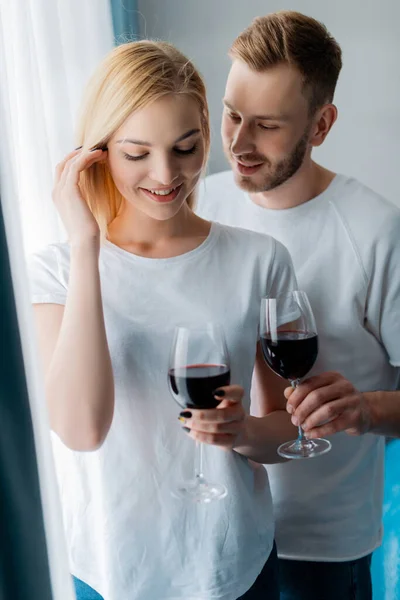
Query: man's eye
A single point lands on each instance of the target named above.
(267, 126)
(130, 157)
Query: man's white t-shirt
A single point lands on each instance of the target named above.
(127, 536)
(345, 246)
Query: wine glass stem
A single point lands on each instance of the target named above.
(199, 461)
(300, 437)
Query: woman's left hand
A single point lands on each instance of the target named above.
(219, 426)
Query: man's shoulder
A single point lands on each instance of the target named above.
(365, 213)
(360, 205)
(368, 217)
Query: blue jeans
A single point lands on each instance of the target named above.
(304, 580)
(266, 583)
(84, 592)
(266, 586)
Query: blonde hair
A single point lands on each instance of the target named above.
(131, 76)
(295, 39)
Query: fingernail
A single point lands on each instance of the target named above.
(186, 429)
(289, 408)
(295, 421)
(78, 148)
(103, 148)
(219, 393)
(185, 414)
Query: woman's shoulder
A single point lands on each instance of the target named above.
(259, 254)
(52, 256)
(48, 272)
(51, 253)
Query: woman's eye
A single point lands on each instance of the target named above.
(233, 117)
(191, 150)
(130, 157)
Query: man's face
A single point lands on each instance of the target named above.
(265, 126)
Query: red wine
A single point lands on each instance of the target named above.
(292, 355)
(194, 386)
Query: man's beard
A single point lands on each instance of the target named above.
(278, 173)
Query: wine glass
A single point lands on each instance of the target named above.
(289, 342)
(199, 365)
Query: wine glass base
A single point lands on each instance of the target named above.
(199, 490)
(297, 449)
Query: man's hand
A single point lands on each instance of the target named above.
(326, 404)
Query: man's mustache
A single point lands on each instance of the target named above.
(250, 158)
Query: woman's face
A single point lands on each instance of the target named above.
(156, 157)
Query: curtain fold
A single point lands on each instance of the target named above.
(47, 52)
(33, 550)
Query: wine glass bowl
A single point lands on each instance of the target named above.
(289, 342)
(199, 365)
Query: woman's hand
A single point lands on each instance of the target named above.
(75, 213)
(220, 426)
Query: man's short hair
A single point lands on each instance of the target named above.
(298, 40)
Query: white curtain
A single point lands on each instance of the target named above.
(48, 49)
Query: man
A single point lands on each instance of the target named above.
(345, 243)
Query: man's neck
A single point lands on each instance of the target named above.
(308, 183)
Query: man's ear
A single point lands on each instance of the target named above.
(324, 119)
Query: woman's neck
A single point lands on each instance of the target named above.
(136, 232)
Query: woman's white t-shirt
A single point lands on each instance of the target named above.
(128, 537)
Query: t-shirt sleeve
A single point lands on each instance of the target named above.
(382, 315)
(47, 281)
(282, 278)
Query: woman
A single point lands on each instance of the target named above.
(138, 263)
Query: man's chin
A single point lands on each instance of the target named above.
(247, 184)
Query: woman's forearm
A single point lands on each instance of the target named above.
(261, 437)
(79, 381)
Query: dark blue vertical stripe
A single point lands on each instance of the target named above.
(24, 568)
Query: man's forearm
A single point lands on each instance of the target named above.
(262, 436)
(384, 413)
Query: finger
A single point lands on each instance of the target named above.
(346, 422)
(309, 385)
(210, 415)
(232, 427)
(232, 393)
(61, 165)
(223, 440)
(328, 412)
(314, 400)
(78, 164)
(287, 392)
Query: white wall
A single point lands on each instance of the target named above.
(365, 141)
